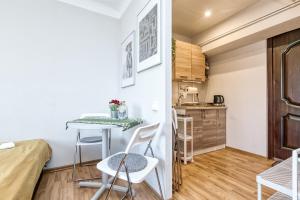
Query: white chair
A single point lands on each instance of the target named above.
(123, 169)
(87, 141)
(283, 178)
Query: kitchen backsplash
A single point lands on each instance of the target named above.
(202, 88)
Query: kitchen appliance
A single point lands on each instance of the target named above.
(218, 100)
(185, 91)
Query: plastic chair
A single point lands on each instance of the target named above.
(141, 135)
(87, 141)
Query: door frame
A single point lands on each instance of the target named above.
(270, 99)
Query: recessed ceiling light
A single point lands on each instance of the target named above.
(207, 13)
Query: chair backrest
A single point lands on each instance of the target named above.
(295, 161)
(142, 135)
(84, 115)
(174, 119)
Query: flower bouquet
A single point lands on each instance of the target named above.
(114, 106)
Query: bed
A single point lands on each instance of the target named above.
(21, 167)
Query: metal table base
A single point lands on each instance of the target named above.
(102, 187)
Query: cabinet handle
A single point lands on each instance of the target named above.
(183, 76)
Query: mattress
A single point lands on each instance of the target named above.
(20, 168)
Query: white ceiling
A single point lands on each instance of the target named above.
(111, 8)
(188, 15)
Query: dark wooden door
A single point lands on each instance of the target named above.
(284, 94)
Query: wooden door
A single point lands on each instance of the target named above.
(284, 94)
(182, 61)
(198, 64)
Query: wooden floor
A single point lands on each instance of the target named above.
(58, 185)
(225, 174)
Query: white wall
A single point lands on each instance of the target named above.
(153, 86)
(56, 62)
(240, 75)
(184, 38)
(267, 18)
(239, 71)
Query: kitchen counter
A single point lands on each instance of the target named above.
(182, 110)
(199, 107)
(209, 126)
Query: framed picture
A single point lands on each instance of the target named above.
(149, 36)
(128, 61)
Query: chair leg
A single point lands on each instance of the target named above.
(159, 185)
(156, 171)
(78, 139)
(175, 169)
(109, 142)
(129, 182)
(258, 191)
(177, 164)
(125, 195)
(80, 161)
(74, 164)
(179, 161)
(111, 186)
(115, 178)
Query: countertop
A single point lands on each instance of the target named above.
(200, 107)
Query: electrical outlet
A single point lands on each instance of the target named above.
(155, 106)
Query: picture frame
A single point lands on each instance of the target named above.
(128, 64)
(149, 36)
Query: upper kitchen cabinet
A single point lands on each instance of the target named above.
(182, 60)
(198, 64)
(188, 62)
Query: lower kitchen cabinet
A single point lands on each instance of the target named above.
(209, 129)
(221, 127)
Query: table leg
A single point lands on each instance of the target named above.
(105, 133)
(105, 183)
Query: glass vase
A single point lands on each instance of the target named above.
(114, 114)
(123, 111)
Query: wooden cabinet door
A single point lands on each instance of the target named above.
(221, 127)
(182, 61)
(198, 64)
(197, 128)
(209, 128)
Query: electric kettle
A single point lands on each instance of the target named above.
(218, 99)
